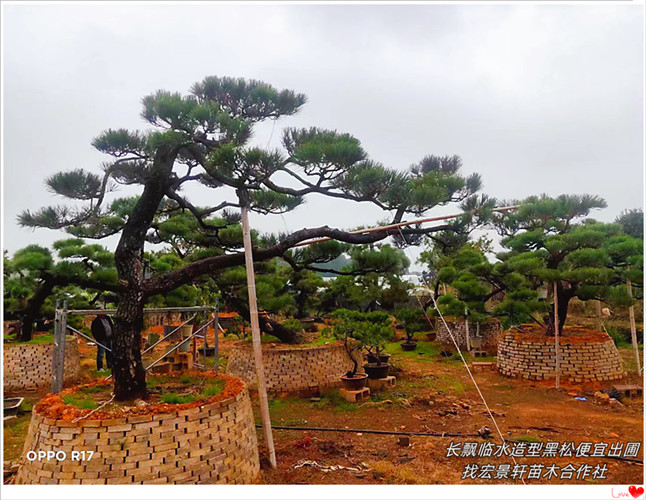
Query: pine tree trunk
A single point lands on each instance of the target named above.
(33, 308)
(301, 300)
(128, 369)
(267, 325)
(564, 297)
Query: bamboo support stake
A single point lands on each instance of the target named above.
(633, 328)
(556, 335)
(402, 224)
(255, 332)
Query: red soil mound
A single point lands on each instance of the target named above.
(53, 406)
(570, 334)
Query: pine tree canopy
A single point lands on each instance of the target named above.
(203, 138)
(548, 241)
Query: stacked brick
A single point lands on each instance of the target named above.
(534, 358)
(211, 444)
(28, 367)
(488, 331)
(293, 368)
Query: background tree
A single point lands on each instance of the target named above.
(305, 286)
(547, 241)
(439, 247)
(632, 222)
(203, 138)
(371, 280)
(34, 274)
(470, 276)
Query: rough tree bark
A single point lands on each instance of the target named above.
(49, 283)
(33, 308)
(267, 325)
(565, 294)
(128, 369)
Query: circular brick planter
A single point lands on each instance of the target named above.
(293, 368)
(212, 441)
(28, 367)
(589, 357)
(489, 332)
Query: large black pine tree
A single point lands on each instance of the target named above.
(202, 138)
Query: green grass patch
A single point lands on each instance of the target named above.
(529, 439)
(38, 339)
(424, 351)
(279, 405)
(210, 362)
(15, 433)
(17, 426)
(448, 383)
(628, 356)
(404, 385)
(213, 388)
(92, 389)
(155, 381)
(177, 399)
(334, 400)
(268, 339)
(209, 387)
(322, 340)
(83, 403)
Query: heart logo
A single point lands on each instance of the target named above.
(635, 491)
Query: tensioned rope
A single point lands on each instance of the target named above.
(493, 419)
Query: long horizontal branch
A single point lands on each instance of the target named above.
(59, 280)
(189, 273)
(309, 267)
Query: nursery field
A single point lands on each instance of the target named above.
(433, 394)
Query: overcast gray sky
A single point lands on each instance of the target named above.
(536, 98)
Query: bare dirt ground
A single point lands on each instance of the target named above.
(435, 394)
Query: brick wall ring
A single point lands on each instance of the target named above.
(482, 337)
(585, 356)
(293, 368)
(28, 367)
(207, 441)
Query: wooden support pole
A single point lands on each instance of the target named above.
(58, 354)
(633, 328)
(216, 325)
(556, 335)
(597, 308)
(255, 333)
